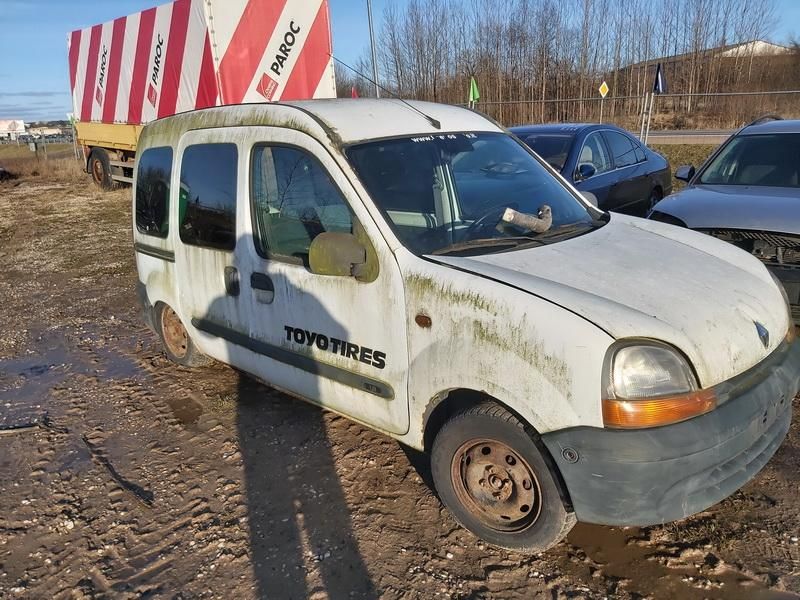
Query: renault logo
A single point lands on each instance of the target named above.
(763, 334)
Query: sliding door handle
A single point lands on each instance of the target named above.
(263, 288)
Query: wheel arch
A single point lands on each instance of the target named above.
(447, 403)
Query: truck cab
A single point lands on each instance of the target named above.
(416, 268)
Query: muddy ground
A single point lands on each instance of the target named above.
(125, 476)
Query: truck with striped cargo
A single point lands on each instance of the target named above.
(186, 55)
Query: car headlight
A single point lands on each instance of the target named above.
(791, 333)
(648, 383)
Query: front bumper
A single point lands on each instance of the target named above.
(650, 476)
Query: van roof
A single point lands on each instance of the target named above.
(342, 120)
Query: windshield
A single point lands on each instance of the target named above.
(552, 148)
(763, 160)
(462, 190)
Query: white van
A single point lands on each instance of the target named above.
(417, 269)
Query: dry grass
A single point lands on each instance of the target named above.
(683, 154)
(52, 169)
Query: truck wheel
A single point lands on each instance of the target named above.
(178, 346)
(492, 477)
(100, 168)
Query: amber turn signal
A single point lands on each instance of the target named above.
(630, 414)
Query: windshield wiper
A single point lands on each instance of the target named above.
(487, 243)
(571, 228)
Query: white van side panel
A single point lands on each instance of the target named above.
(540, 360)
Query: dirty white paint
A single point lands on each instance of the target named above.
(530, 327)
(638, 278)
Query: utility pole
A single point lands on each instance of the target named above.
(372, 46)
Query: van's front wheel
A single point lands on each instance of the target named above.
(178, 346)
(489, 472)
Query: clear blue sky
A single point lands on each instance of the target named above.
(34, 81)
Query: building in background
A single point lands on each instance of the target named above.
(11, 129)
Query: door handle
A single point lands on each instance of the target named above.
(263, 288)
(261, 281)
(232, 281)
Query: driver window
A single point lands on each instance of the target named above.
(293, 200)
(594, 153)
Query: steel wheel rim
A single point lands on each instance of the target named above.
(496, 485)
(174, 333)
(97, 170)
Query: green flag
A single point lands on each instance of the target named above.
(474, 94)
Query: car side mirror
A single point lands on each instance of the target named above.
(336, 253)
(586, 170)
(685, 173)
(590, 198)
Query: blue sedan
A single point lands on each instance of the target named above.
(624, 174)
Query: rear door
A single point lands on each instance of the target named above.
(632, 184)
(204, 210)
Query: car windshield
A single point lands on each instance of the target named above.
(552, 148)
(467, 192)
(759, 160)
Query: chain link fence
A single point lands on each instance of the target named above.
(713, 110)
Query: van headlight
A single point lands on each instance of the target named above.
(648, 383)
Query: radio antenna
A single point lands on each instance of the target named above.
(428, 118)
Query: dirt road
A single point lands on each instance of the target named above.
(123, 475)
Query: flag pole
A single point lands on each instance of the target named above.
(372, 45)
(649, 116)
(644, 113)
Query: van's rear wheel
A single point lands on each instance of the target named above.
(178, 346)
(100, 168)
(491, 475)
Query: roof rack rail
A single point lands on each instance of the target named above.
(765, 119)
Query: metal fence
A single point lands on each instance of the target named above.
(712, 110)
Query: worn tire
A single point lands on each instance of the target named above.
(490, 421)
(178, 346)
(99, 168)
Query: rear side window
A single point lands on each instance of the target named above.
(152, 191)
(640, 155)
(294, 200)
(621, 149)
(207, 197)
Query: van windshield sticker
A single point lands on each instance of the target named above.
(444, 136)
(368, 356)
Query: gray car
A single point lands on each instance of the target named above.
(748, 193)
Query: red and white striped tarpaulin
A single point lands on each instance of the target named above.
(191, 54)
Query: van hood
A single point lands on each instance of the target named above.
(639, 278)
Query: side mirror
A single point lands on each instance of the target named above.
(590, 198)
(685, 173)
(335, 253)
(586, 170)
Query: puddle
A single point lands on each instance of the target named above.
(52, 360)
(663, 571)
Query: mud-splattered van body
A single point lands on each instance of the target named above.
(364, 255)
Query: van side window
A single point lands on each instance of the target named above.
(152, 191)
(207, 197)
(293, 200)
